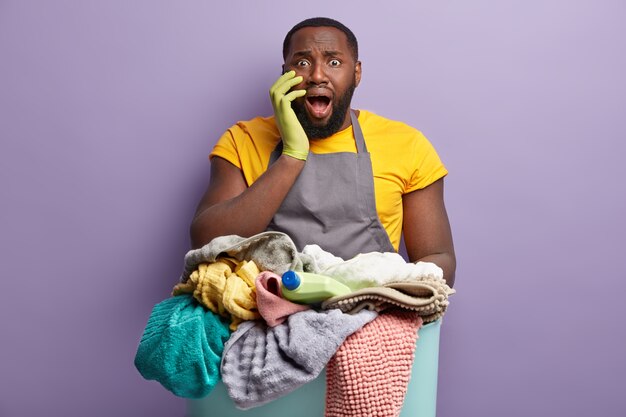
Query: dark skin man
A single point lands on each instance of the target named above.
(320, 74)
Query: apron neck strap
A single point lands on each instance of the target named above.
(358, 134)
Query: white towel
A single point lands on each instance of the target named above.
(372, 269)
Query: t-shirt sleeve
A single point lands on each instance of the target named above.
(428, 165)
(226, 148)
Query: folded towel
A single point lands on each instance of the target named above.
(181, 347)
(272, 306)
(270, 251)
(260, 364)
(427, 297)
(369, 374)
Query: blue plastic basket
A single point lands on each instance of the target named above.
(308, 401)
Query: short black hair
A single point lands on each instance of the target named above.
(323, 22)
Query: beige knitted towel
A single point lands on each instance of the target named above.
(369, 374)
(428, 297)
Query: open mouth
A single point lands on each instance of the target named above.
(318, 106)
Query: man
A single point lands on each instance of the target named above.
(307, 171)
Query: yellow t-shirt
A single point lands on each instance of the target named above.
(403, 160)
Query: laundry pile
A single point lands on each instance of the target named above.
(228, 320)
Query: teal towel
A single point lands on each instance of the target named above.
(182, 346)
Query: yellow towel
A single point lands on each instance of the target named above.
(248, 271)
(225, 287)
(239, 299)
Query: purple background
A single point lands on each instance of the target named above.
(108, 110)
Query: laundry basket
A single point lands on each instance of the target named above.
(308, 400)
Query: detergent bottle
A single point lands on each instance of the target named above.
(309, 288)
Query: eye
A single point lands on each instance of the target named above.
(302, 63)
(334, 63)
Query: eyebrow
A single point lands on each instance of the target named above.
(307, 52)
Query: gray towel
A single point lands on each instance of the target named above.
(270, 251)
(261, 364)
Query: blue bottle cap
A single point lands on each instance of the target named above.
(291, 280)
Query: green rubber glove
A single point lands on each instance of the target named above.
(295, 141)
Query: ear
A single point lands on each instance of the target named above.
(282, 69)
(357, 73)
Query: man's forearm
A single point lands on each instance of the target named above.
(445, 261)
(251, 211)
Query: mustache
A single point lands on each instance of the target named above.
(340, 107)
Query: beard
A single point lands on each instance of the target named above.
(337, 117)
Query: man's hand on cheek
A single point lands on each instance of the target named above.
(295, 141)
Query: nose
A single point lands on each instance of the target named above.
(318, 74)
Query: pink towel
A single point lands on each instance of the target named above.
(369, 374)
(271, 305)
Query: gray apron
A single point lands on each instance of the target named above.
(332, 203)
